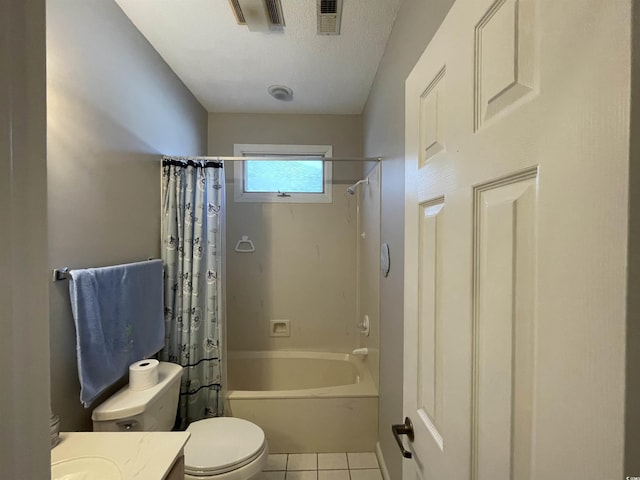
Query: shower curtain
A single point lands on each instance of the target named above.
(192, 247)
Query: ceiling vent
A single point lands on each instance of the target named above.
(259, 15)
(329, 17)
(281, 92)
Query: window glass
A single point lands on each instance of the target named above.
(287, 176)
(283, 173)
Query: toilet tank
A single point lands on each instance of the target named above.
(153, 409)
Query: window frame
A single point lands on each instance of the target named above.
(258, 150)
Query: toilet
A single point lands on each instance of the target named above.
(222, 448)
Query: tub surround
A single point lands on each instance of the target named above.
(303, 271)
(368, 284)
(138, 455)
(304, 267)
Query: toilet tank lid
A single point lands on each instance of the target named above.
(127, 403)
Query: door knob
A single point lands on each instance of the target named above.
(405, 428)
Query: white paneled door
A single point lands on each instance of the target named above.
(517, 138)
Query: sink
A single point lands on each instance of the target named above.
(85, 468)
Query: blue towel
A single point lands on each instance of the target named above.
(118, 312)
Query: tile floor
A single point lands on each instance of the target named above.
(322, 466)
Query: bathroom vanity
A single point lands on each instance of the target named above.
(131, 455)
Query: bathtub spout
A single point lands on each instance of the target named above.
(360, 352)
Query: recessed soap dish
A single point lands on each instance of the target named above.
(279, 328)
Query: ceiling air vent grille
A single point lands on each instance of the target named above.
(329, 17)
(237, 11)
(275, 12)
(273, 9)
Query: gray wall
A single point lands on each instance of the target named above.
(114, 107)
(632, 393)
(344, 132)
(383, 120)
(24, 343)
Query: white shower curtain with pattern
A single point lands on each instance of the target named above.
(192, 224)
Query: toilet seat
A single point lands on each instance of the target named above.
(221, 445)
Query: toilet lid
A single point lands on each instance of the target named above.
(221, 444)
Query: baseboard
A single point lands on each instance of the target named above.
(381, 462)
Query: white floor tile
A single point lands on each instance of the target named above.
(362, 460)
(302, 461)
(332, 461)
(333, 475)
(272, 476)
(366, 474)
(307, 475)
(277, 461)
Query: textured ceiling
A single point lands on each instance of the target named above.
(229, 68)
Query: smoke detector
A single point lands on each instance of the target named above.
(259, 15)
(280, 92)
(329, 17)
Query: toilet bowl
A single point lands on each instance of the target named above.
(221, 448)
(224, 448)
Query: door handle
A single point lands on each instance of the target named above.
(405, 428)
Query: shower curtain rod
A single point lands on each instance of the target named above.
(272, 157)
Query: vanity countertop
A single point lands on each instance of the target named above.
(139, 455)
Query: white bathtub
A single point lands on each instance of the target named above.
(305, 401)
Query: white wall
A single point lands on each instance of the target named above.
(114, 107)
(24, 343)
(383, 118)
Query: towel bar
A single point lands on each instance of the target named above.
(61, 274)
(248, 245)
(64, 273)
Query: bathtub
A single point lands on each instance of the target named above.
(305, 401)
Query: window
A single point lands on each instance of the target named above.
(288, 174)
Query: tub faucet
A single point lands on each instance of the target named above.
(360, 352)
